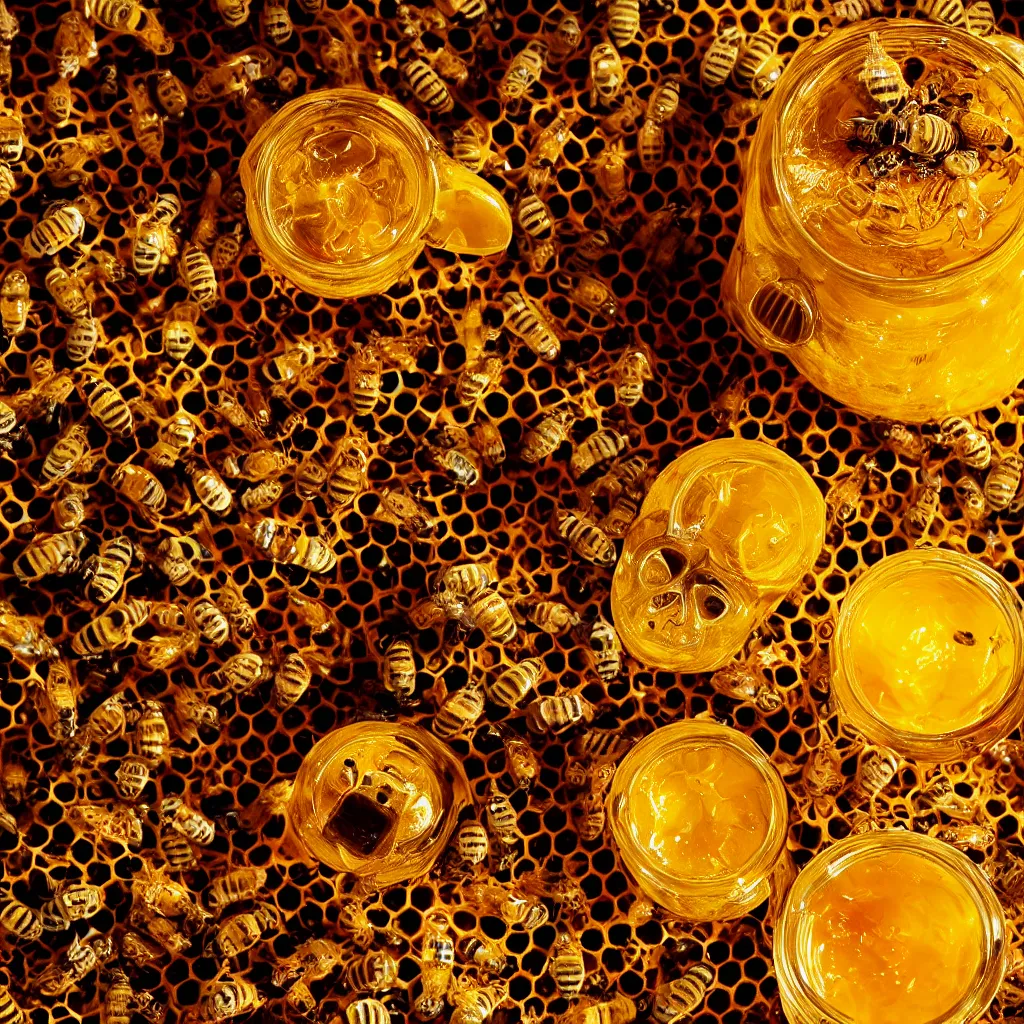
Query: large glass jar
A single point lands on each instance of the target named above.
(889, 927)
(843, 275)
(379, 800)
(928, 655)
(699, 817)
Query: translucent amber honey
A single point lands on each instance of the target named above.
(379, 800)
(889, 928)
(927, 655)
(344, 188)
(699, 817)
(724, 533)
(892, 309)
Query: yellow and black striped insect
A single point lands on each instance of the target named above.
(372, 972)
(557, 713)
(399, 668)
(108, 721)
(177, 558)
(264, 495)
(276, 23)
(516, 682)
(241, 672)
(176, 850)
(428, 86)
(104, 572)
(950, 12)
(962, 163)
(679, 998)
(179, 332)
(198, 276)
(650, 145)
(969, 444)
(10, 1011)
(918, 518)
(566, 965)
(501, 816)
(623, 21)
(107, 406)
(600, 447)
(15, 303)
(1003, 480)
(523, 72)
(141, 487)
(82, 338)
(210, 489)
(68, 293)
(62, 225)
(485, 953)
(981, 132)
(118, 999)
(211, 622)
(131, 778)
(759, 66)
(605, 650)
(882, 77)
(664, 101)
(112, 630)
(235, 886)
(364, 378)
(526, 322)
(981, 19)
(226, 248)
(459, 711)
(586, 538)
(170, 93)
(970, 498)
(192, 824)
(292, 677)
(60, 708)
(930, 136)
(58, 103)
(285, 547)
(470, 842)
(533, 215)
(564, 38)
(367, 1011)
(20, 921)
(66, 454)
(50, 554)
(151, 735)
(718, 62)
(471, 145)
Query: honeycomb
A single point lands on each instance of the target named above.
(708, 383)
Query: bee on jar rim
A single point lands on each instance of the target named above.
(881, 75)
(760, 67)
(1003, 481)
(523, 72)
(606, 74)
(719, 60)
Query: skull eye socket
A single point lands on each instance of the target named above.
(711, 598)
(661, 567)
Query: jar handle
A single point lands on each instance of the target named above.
(470, 217)
(785, 312)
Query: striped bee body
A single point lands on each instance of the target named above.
(605, 650)
(533, 215)
(459, 711)
(650, 145)
(516, 682)
(931, 136)
(176, 557)
(586, 538)
(59, 227)
(679, 998)
(951, 12)
(399, 669)
(108, 407)
(106, 569)
(196, 827)
(65, 455)
(470, 842)
(198, 276)
(292, 679)
(758, 65)
(962, 163)
(664, 101)
(82, 338)
(502, 817)
(226, 249)
(176, 850)
(242, 672)
(522, 73)
(367, 1011)
(525, 321)
(131, 778)
(151, 734)
(211, 490)
(68, 293)
(170, 93)
(1002, 481)
(602, 446)
(856, 10)
(111, 630)
(490, 613)
(623, 21)
(882, 77)
(276, 23)
(718, 62)
(566, 966)
(237, 885)
(262, 496)
(606, 74)
(211, 622)
(364, 377)
(20, 921)
(428, 86)
(10, 1011)
(54, 554)
(981, 19)
(558, 713)
(372, 972)
(140, 486)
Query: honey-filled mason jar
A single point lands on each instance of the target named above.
(699, 817)
(928, 655)
(900, 296)
(379, 800)
(889, 927)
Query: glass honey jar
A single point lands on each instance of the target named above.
(379, 800)
(899, 295)
(928, 655)
(344, 188)
(889, 927)
(698, 814)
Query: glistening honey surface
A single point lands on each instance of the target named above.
(907, 224)
(345, 192)
(701, 811)
(930, 652)
(894, 939)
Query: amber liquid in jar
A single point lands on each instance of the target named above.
(699, 817)
(347, 191)
(927, 655)
(889, 928)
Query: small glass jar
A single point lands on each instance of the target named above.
(889, 926)
(928, 655)
(875, 311)
(699, 816)
(379, 800)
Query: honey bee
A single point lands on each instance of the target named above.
(844, 495)
(877, 768)
(475, 1004)
(664, 100)
(107, 406)
(117, 1001)
(515, 683)
(372, 972)
(605, 650)
(931, 136)
(650, 145)
(12, 136)
(131, 18)
(286, 548)
(141, 487)
(486, 954)
(74, 44)
(72, 965)
(427, 86)
(21, 922)
(14, 302)
(1002, 481)
(14, 779)
(108, 721)
(104, 572)
(235, 886)
(137, 951)
(437, 960)
(58, 103)
(276, 23)
(210, 489)
(551, 617)
(456, 457)
(82, 339)
(533, 215)
(153, 245)
(471, 146)
(241, 672)
(227, 996)
(61, 226)
(586, 538)
(881, 75)
(760, 67)
(68, 293)
(610, 170)
(526, 322)
(951, 12)
(546, 437)
(401, 509)
(459, 711)
(364, 378)
(971, 499)
(234, 12)
(192, 714)
(8, 183)
(679, 998)
(198, 276)
(563, 38)
(177, 853)
(981, 19)
(720, 58)
(600, 447)
(210, 621)
(523, 72)
(918, 518)
(72, 901)
(147, 125)
(556, 714)
(399, 668)
(120, 825)
(965, 836)
(969, 444)
(606, 74)
(501, 816)
(939, 794)
(508, 902)
(470, 842)
(234, 935)
(373, 1011)
(112, 630)
(176, 557)
(566, 965)
(856, 10)
(65, 159)
(50, 554)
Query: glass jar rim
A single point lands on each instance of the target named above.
(832, 861)
(683, 732)
(935, 747)
(813, 63)
(262, 157)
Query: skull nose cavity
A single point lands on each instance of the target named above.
(661, 567)
(659, 602)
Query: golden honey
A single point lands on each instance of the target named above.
(379, 800)
(699, 817)
(892, 314)
(889, 927)
(344, 188)
(928, 655)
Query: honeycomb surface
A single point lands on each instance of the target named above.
(707, 383)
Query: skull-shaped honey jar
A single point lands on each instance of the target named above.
(726, 531)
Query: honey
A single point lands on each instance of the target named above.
(889, 928)
(699, 817)
(927, 656)
(883, 292)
